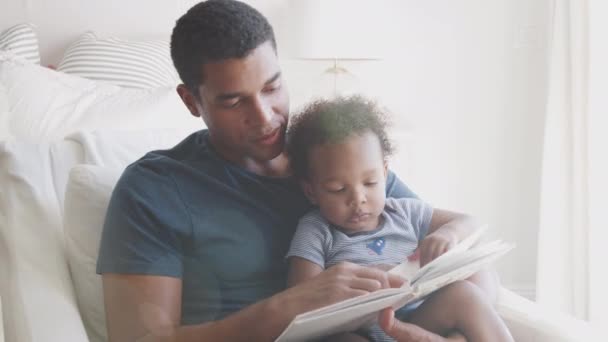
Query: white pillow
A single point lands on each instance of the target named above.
(38, 297)
(133, 64)
(22, 41)
(48, 105)
(86, 201)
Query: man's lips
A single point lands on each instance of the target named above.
(271, 138)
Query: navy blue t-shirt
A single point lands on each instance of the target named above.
(189, 214)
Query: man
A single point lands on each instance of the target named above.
(195, 237)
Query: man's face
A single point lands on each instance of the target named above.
(348, 182)
(245, 104)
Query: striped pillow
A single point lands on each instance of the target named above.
(132, 64)
(22, 41)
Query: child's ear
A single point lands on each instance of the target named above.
(308, 192)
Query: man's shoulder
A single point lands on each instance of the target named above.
(192, 149)
(159, 166)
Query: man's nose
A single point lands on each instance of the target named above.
(261, 112)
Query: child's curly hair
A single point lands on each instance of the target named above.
(331, 122)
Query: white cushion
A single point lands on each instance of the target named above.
(5, 114)
(134, 64)
(46, 105)
(86, 201)
(35, 282)
(37, 293)
(22, 41)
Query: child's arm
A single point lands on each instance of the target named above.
(301, 270)
(446, 229)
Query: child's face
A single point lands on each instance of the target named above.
(348, 182)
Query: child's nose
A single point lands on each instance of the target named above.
(358, 198)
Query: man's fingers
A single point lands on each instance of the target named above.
(386, 319)
(395, 280)
(386, 279)
(402, 331)
(365, 284)
(351, 293)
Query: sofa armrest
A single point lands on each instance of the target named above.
(529, 321)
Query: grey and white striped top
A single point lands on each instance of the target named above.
(21, 40)
(405, 222)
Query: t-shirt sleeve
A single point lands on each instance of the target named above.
(419, 213)
(395, 188)
(311, 240)
(146, 225)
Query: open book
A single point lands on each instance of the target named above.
(460, 262)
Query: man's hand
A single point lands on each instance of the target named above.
(435, 245)
(405, 332)
(340, 282)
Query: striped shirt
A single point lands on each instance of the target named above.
(405, 222)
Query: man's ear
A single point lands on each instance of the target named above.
(308, 192)
(189, 100)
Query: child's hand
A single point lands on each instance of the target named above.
(434, 245)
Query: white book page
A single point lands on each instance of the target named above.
(411, 270)
(461, 259)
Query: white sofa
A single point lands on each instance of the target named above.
(49, 235)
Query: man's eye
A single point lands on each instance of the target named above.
(231, 104)
(271, 89)
(335, 191)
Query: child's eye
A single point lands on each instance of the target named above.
(371, 183)
(335, 191)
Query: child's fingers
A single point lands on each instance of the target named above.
(415, 256)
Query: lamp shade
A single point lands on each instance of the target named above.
(336, 29)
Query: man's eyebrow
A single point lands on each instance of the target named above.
(274, 78)
(230, 96)
(227, 96)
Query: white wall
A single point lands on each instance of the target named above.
(465, 80)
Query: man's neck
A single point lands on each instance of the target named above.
(277, 167)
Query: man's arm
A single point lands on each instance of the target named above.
(300, 270)
(148, 308)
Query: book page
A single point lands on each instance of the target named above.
(411, 270)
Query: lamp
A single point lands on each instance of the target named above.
(336, 30)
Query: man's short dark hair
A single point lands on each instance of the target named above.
(216, 30)
(332, 122)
